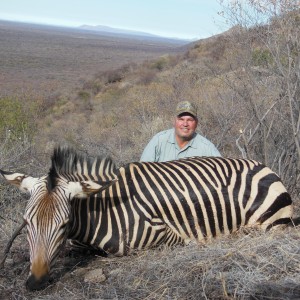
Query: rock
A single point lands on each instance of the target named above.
(95, 276)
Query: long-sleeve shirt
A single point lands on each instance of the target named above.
(163, 147)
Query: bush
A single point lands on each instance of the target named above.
(84, 95)
(262, 57)
(160, 64)
(17, 119)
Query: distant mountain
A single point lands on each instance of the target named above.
(115, 30)
(119, 31)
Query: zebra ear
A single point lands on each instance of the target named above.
(83, 189)
(22, 181)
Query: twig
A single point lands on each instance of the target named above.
(223, 285)
(9, 244)
(156, 291)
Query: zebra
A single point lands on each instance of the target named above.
(143, 204)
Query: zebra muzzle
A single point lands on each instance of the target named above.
(34, 283)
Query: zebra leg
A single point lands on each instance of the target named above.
(172, 238)
(78, 247)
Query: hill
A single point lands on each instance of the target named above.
(106, 30)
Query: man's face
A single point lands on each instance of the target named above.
(185, 126)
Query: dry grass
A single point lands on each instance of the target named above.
(241, 266)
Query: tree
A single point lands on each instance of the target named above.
(268, 31)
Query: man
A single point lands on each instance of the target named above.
(180, 141)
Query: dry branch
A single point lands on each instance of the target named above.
(9, 244)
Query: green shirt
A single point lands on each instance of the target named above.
(163, 147)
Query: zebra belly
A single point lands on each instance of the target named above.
(142, 234)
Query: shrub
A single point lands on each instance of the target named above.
(262, 57)
(17, 119)
(160, 64)
(84, 95)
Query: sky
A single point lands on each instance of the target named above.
(186, 19)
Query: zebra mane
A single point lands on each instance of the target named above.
(74, 166)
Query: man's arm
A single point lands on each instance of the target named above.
(214, 151)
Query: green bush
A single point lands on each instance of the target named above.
(262, 57)
(160, 64)
(84, 95)
(16, 118)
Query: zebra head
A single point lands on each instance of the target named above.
(47, 213)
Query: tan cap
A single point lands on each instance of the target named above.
(186, 107)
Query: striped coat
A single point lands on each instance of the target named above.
(179, 201)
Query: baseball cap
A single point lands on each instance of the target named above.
(186, 107)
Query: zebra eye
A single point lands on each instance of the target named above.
(65, 223)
